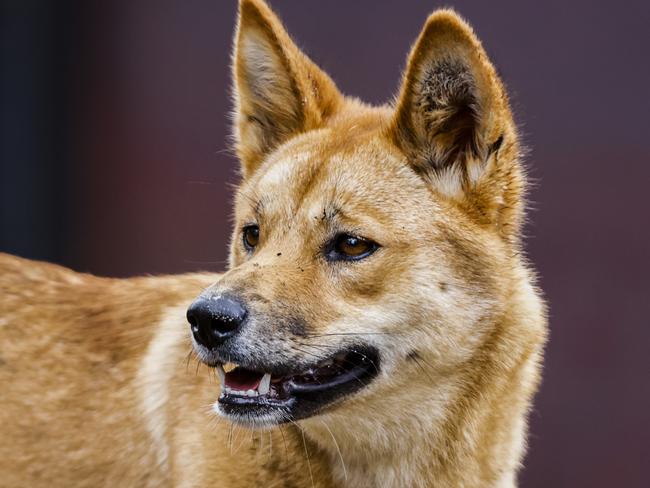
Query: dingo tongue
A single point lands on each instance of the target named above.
(243, 379)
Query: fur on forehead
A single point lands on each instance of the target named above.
(326, 170)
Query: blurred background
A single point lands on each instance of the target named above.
(115, 161)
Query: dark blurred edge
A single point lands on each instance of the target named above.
(39, 42)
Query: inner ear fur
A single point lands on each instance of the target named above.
(279, 92)
(451, 112)
(453, 123)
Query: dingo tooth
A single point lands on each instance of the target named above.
(265, 384)
(221, 374)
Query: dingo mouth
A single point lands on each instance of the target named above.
(253, 397)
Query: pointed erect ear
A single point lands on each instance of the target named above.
(279, 92)
(451, 113)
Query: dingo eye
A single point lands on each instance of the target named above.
(346, 247)
(251, 236)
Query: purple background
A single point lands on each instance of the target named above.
(115, 161)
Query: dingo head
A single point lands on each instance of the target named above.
(369, 242)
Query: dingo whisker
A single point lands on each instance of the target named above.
(304, 443)
(338, 449)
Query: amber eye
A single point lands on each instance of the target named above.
(251, 236)
(350, 248)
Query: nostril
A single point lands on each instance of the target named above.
(193, 322)
(225, 324)
(196, 330)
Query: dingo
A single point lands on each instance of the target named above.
(377, 327)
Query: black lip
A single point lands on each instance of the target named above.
(304, 400)
(252, 403)
(342, 379)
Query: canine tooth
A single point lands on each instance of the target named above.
(221, 374)
(251, 393)
(265, 384)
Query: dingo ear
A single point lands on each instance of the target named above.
(451, 113)
(279, 92)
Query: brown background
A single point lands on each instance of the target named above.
(114, 161)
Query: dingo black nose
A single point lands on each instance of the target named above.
(213, 320)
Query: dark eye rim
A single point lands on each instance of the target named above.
(244, 232)
(332, 254)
